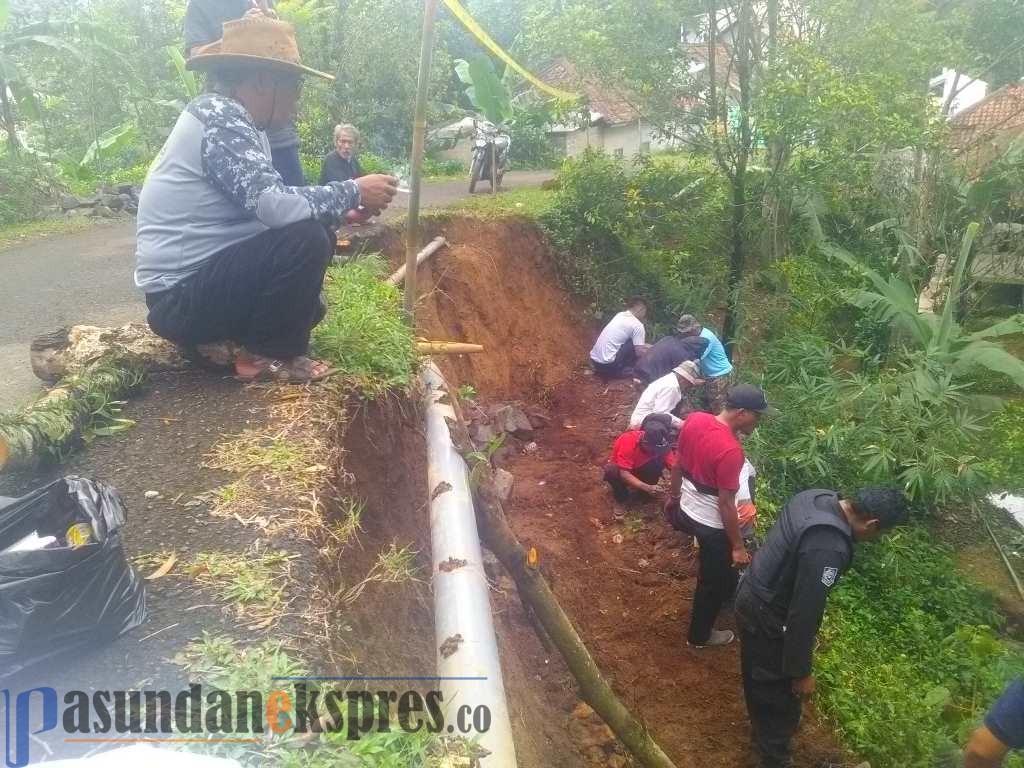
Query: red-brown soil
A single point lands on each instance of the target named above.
(627, 586)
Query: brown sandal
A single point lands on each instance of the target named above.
(298, 370)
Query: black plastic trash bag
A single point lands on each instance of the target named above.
(61, 598)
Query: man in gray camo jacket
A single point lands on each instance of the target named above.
(226, 250)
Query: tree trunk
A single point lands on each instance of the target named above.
(737, 261)
(533, 588)
(71, 350)
(7, 114)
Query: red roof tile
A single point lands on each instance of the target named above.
(999, 113)
(609, 102)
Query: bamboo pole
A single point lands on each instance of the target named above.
(534, 589)
(419, 131)
(448, 348)
(432, 247)
(999, 549)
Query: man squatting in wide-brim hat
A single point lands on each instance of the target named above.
(226, 251)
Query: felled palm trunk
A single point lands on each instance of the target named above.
(63, 416)
(70, 350)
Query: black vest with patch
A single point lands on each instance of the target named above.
(772, 574)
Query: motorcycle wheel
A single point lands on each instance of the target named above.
(474, 173)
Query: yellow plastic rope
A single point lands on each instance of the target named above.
(488, 42)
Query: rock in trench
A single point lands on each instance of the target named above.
(503, 482)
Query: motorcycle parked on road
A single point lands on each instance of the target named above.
(491, 146)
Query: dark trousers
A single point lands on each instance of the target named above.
(262, 293)
(773, 708)
(716, 579)
(649, 473)
(287, 162)
(624, 360)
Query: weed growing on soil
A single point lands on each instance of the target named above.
(364, 333)
(252, 582)
(276, 455)
(394, 565)
(218, 662)
(149, 561)
(348, 527)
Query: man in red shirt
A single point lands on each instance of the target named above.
(702, 501)
(639, 456)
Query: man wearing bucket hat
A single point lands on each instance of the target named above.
(639, 457)
(663, 395)
(684, 343)
(702, 502)
(226, 250)
(204, 20)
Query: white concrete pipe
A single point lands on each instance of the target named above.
(463, 626)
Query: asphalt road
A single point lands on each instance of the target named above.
(86, 279)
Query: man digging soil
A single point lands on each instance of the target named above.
(226, 251)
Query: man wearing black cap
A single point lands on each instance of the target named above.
(781, 600)
(702, 501)
(638, 458)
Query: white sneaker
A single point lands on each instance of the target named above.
(716, 638)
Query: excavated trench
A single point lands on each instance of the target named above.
(626, 585)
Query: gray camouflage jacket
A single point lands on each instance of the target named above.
(213, 185)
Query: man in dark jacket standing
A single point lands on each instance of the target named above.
(781, 600)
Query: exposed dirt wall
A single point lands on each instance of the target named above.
(494, 286)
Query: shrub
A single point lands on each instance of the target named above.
(438, 168)
(26, 186)
(845, 423)
(909, 660)
(1003, 449)
(532, 148)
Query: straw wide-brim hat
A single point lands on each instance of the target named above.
(260, 42)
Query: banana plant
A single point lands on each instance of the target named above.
(947, 350)
(485, 89)
(16, 92)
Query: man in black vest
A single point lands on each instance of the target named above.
(781, 600)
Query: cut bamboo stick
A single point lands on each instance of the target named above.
(432, 247)
(448, 348)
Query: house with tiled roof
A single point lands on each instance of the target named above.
(979, 135)
(983, 131)
(611, 122)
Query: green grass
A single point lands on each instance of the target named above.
(365, 334)
(252, 582)
(528, 202)
(219, 662)
(909, 659)
(18, 234)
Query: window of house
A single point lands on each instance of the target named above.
(645, 147)
(619, 153)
